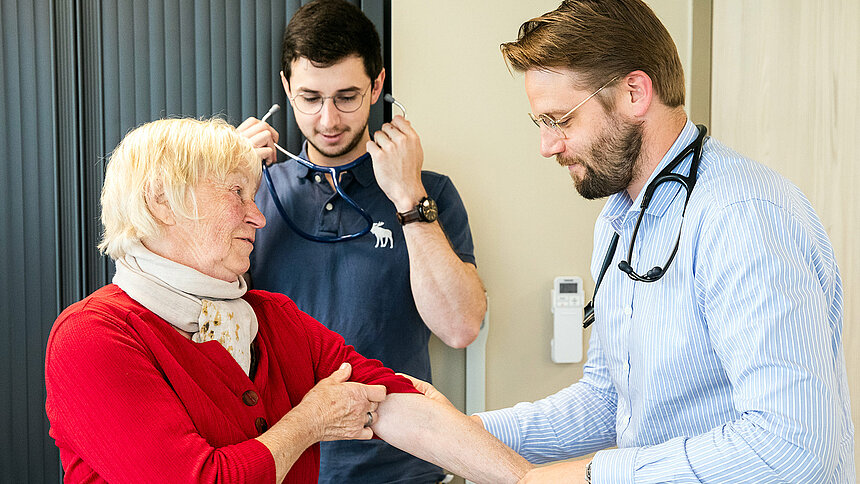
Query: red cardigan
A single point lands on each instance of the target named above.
(132, 400)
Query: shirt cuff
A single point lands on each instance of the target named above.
(502, 424)
(616, 465)
(255, 462)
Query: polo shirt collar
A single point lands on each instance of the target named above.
(363, 172)
(619, 208)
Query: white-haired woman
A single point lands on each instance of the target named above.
(177, 373)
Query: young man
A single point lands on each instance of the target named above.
(384, 294)
(721, 362)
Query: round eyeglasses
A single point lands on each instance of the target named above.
(557, 126)
(345, 102)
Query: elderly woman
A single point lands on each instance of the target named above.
(177, 373)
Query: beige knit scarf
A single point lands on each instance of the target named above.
(208, 308)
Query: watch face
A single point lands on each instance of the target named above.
(428, 210)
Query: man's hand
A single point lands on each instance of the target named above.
(337, 409)
(262, 136)
(397, 160)
(563, 473)
(428, 390)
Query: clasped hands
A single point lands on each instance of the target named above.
(337, 409)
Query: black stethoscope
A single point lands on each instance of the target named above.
(334, 172)
(665, 175)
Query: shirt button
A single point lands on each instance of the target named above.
(261, 424)
(329, 206)
(318, 178)
(250, 398)
(628, 311)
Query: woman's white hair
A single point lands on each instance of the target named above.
(166, 158)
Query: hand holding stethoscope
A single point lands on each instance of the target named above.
(397, 161)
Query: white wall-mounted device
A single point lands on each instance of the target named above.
(568, 299)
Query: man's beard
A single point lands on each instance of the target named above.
(611, 164)
(356, 139)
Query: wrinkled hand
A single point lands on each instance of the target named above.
(338, 408)
(397, 160)
(428, 390)
(563, 473)
(262, 136)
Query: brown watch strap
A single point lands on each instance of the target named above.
(408, 217)
(425, 211)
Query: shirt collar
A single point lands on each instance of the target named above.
(620, 208)
(363, 172)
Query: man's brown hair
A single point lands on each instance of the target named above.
(601, 39)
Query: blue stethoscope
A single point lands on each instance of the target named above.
(334, 172)
(665, 175)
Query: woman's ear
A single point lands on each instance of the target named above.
(159, 207)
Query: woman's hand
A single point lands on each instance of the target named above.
(339, 409)
(334, 409)
(432, 393)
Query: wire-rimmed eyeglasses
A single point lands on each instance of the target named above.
(345, 102)
(557, 125)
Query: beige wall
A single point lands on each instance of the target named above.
(528, 223)
(798, 84)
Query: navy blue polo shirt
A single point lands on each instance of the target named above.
(359, 288)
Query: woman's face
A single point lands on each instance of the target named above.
(219, 242)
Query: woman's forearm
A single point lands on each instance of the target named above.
(441, 434)
(334, 409)
(287, 439)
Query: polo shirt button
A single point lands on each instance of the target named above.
(250, 398)
(261, 424)
(628, 311)
(317, 178)
(329, 206)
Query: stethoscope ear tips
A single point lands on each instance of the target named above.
(654, 273)
(389, 98)
(272, 110)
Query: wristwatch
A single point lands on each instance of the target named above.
(425, 211)
(588, 473)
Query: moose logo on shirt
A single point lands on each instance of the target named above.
(383, 236)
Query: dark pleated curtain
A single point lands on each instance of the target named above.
(28, 285)
(75, 76)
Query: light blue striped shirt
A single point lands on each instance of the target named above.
(728, 369)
